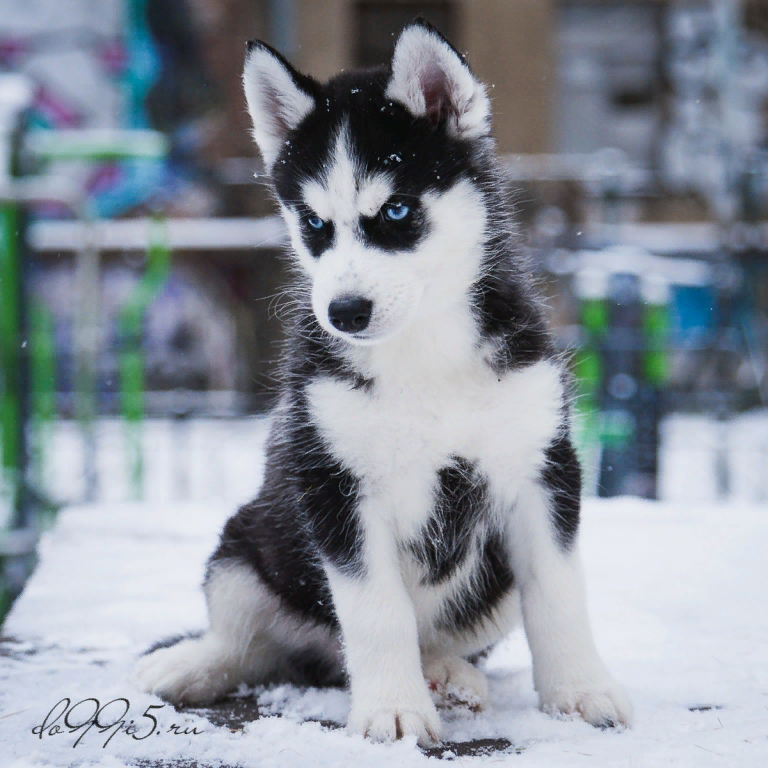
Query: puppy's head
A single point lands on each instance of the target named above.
(378, 179)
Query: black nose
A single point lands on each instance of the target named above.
(350, 315)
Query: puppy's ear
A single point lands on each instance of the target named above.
(432, 80)
(278, 97)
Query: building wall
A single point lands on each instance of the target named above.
(510, 45)
(325, 36)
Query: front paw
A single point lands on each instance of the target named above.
(395, 722)
(604, 705)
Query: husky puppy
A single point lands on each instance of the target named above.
(421, 493)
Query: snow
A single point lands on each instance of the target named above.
(201, 459)
(698, 453)
(677, 596)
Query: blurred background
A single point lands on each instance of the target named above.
(140, 268)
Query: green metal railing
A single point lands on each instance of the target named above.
(131, 353)
(27, 348)
(10, 354)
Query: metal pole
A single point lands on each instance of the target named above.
(10, 359)
(131, 353)
(87, 346)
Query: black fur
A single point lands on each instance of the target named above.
(460, 503)
(561, 475)
(509, 313)
(400, 236)
(492, 580)
(317, 240)
(306, 509)
(312, 667)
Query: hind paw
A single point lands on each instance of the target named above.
(457, 681)
(192, 672)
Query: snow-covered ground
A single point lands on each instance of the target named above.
(695, 450)
(678, 597)
(195, 459)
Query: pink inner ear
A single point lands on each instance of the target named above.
(276, 108)
(434, 86)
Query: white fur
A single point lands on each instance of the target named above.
(404, 290)
(247, 637)
(426, 70)
(344, 193)
(275, 102)
(389, 694)
(567, 671)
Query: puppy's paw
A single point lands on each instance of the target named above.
(604, 704)
(395, 722)
(457, 681)
(192, 672)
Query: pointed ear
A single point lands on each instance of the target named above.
(278, 97)
(432, 80)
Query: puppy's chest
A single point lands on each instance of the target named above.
(416, 442)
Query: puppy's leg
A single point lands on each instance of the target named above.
(567, 671)
(235, 648)
(390, 698)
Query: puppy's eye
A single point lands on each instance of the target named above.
(396, 211)
(315, 222)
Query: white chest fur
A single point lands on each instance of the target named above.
(398, 435)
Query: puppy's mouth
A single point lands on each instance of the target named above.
(368, 340)
(370, 336)
(362, 321)
(365, 338)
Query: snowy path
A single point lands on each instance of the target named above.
(678, 596)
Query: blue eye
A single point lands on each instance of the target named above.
(315, 222)
(396, 212)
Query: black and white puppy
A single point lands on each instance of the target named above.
(421, 492)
